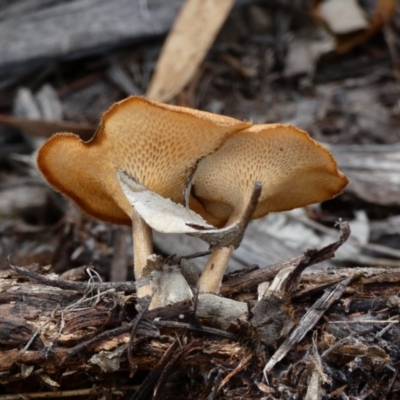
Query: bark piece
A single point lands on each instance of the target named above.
(198, 22)
(219, 311)
(53, 30)
(170, 287)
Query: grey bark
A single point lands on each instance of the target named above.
(33, 30)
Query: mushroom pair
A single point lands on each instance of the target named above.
(162, 148)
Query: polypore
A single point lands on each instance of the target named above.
(293, 169)
(157, 144)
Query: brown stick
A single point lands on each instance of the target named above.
(249, 280)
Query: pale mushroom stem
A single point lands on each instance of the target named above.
(211, 278)
(143, 247)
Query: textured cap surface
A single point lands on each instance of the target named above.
(157, 144)
(294, 171)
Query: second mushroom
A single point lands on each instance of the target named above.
(293, 170)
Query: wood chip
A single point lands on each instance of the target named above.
(343, 16)
(190, 38)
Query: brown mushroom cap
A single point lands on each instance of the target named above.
(294, 171)
(157, 144)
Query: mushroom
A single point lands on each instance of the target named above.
(293, 169)
(157, 144)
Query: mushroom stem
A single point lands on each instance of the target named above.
(211, 278)
(143, 247)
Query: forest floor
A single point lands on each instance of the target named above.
(280, 62)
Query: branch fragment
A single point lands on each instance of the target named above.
(310, 318)
(249, 280)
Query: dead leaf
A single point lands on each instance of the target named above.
(109, 361)
(160, 213)
(163, 215)
(50, 382)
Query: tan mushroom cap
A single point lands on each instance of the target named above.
(294, 170)
(157, 144)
